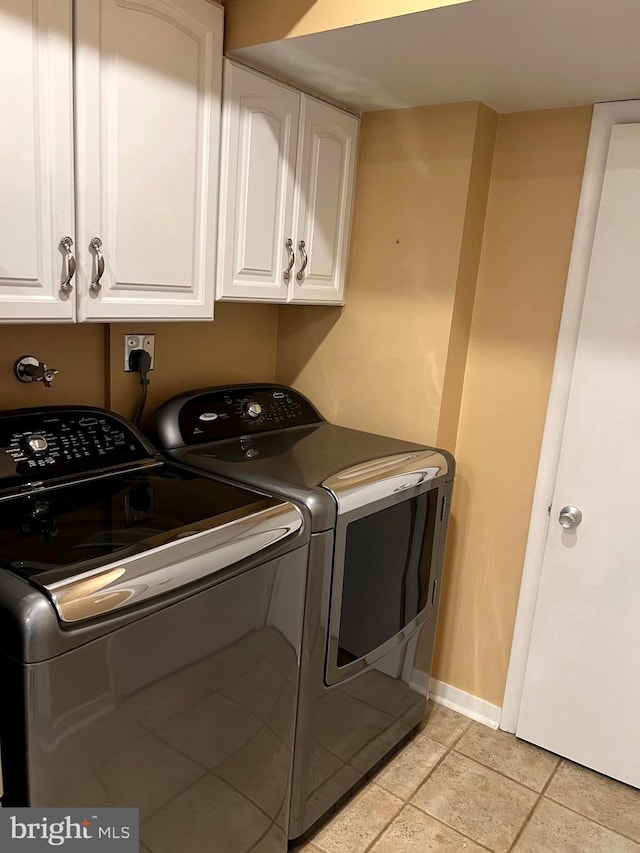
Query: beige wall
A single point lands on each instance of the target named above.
(472, 235)
(449, 335)
(250, 22)
(240, 345)
(77, 351)
(379, 364)
(533, 198)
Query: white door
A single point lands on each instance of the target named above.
(324, 200)
(148, 79)
(36, 159)
(582, 684)
(259, 142)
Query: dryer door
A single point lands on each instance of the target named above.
(385, 562)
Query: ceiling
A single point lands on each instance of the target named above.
(510, 54)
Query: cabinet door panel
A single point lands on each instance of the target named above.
(36, 158)
(260, 199)
(326, 167)
(260, 124)
(148, 100)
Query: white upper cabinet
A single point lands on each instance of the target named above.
(288, 168)
(148, 77)
(147, 80)
(259, 145)
(324, 201)
(36, 159)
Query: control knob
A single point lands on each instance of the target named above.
(37, 443)
(253, 409)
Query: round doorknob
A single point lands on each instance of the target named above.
(570, 516)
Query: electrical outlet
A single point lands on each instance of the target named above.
(133, 342)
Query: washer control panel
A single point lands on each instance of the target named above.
(40, 444)
(221, 413)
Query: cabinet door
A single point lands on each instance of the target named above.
(36, 159)
(324, 201)
(148, 79)
(259, 139)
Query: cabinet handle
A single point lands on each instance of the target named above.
(96, 245)
(286, 275)
(67, 243)
(305, 260)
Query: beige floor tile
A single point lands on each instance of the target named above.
(444, 725)
(411, 766)
(604, 800)
(413, 831)
(527, 764)
(354, 828)
(554, 829)
(476, 801)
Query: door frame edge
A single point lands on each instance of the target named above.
(605, 115)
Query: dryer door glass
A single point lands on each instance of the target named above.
(388, 559)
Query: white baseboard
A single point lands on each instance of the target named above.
(457, 700)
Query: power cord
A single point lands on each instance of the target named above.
(140, 362)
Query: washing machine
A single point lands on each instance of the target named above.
(379, 509)
(150, 635)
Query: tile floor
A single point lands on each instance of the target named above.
(462, 786)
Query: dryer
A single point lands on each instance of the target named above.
(379, 510)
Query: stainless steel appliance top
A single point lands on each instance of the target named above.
(272, 438)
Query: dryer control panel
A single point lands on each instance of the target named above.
(221, 413)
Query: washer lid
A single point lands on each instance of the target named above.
(100, 546)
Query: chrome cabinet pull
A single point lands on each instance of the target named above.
(286, 275)
(66, 286)
(305, 260)
(96, 245)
